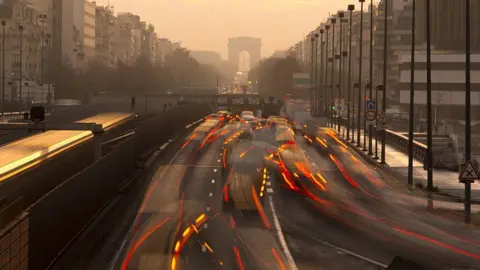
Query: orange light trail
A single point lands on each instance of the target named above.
(260, 208)
(277, 257)
(239, 260)
(137, 221)
(321, 142)
(224, 157)
(140, 241)
(342, 170)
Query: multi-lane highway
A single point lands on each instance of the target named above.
(356, 218)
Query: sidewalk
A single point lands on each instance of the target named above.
(397, 163)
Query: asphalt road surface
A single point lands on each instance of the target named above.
(359, 222)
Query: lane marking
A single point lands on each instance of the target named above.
(204, 248)
(210, 195)
(269, 183)
(280, 236)
(269, 190)
(205, 225)
(188, 126)
(218, 161)
(214, 170)
(351, 253)
(213, 181)
(164, 146)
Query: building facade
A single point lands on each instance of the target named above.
(104, 37)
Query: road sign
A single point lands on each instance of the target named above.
(371, 105)
(371, 115)
(382, 119)
(468, 172)
(302, 80)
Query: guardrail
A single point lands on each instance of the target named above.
(399, 141)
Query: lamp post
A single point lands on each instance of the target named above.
(429, 104)
(3, 66)
(332, 94)
(321, 88)
(20, 28)
(312, 72)
(365, 131)
(385, 60)
(468, 153)
(315, 91)
(43, 19)
(351, 8)
(412, 101)
(341, 15)
(49, 93)
(326, 85)
(360, 75)
(370, 94)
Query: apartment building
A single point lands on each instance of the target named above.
(104, 36)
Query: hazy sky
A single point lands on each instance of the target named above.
(207, 24)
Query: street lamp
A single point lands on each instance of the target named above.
(3, 66)
(315, 91)
(351, 8)
(367, 86)
(332, 94)
(327, 96)
(355, 86)
(370, 95)
(412, 101)
(360, 75)
(321, 88)
(468, 153)
(385, 60)
(49, 81)
(341, 15)
(20, 28)
(312, 72)
(43, 19)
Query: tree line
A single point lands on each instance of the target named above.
(178, 70)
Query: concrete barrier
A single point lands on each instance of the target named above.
(60, 216)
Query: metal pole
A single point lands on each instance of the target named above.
(349, 94)
(468, 154)
(429, 104)
(360, 75)
(3, 67)
(384, 96)
(49, 93)
(370, 95)
(332, 94)
(365, 131)
(412, 101)
(340, 90)
(327, 97)
(315, 91)
(20, 28)
(312, 73)
(42, 17)
(321, 88)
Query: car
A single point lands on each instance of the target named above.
(244, 113)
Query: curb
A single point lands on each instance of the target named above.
(385, 169)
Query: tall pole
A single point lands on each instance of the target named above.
(340, 71)
(360, 75)
(49, 93)
(315, 91)
(327, 97)
(429, 104)
(43, 17)
(20, 28)
(412, 101)
(468, 153)
(365, 131)
(349, 94)
(312, 73)
(332, 94)
(370, 94)
(321, 89)
(385, 65)
(3, 67)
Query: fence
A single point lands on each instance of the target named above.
(14, 244)
(61, 215)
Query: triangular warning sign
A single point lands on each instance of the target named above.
(382, 118)
(469, 172)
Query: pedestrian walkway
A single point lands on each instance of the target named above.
(445, 181)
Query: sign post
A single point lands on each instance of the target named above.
(468, 172)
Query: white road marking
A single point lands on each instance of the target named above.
(210, 195)
(218, 161)
(163, 146)
(204, 248)
(269, 190)
(269, 183)
(188, 126)
(213, 181)
(280, 236)
(351, 253)
(214, 170)
(205, 225)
